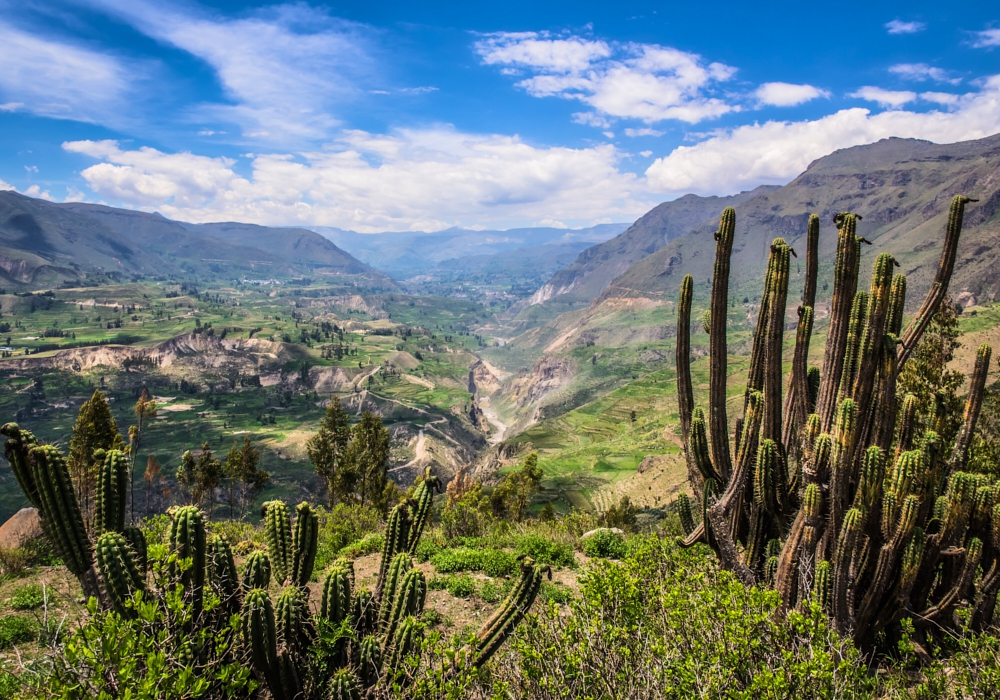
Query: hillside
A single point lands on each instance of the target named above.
(595, 267)
(43, 244)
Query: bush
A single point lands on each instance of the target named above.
(15, 629)
(555, 593)
(605, 544)
(667, 623)
(10, 686)
(492, 562)
(27, 598)
(493, 591)
(369, 544)
(545, 551)
(15, 561)
(345, 528)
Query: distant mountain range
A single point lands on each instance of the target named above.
(457, 251)
(45, 244)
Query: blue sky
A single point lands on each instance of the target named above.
(419, 116)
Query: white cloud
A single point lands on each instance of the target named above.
(413, 179)
(899, 27)
(56, 79)
(941, 98)
(787, 94)
(633, 133)
(421, 90)
(986, 39)
(286, 68)
(892, 99)
(74, 195)
(645, 154)
(39, 193)
(777, 151)
(922, 71)
(6, 186)
(630, 81)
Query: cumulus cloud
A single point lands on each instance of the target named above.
(57, 79)
(787, 94)
(922, 71)
(986, 39)
(899, 27)
(886, 98)
(647, 82)
(412, 179)
(777, 151)
(285, 68)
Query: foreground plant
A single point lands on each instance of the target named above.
(203, 619)
(827, 493)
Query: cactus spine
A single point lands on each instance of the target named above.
(112, 484)
(257, 571)
(121, 576)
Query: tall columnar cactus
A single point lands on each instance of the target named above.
(304, 543)
(61, 509)
(397, 537)
(684, 513)
(140, 550)
(423, 498)
(224, 576)
(278, 534)
(112, 493)
(875, 520)
(188, 542)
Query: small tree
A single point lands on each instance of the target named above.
(513, 496)
(246, 478)
(95, 429)
(187, 476)
(209, 471)
(368, 452)
(145, 409)
(327, 450)
(153, 477)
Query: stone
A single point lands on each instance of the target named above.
(24, 525)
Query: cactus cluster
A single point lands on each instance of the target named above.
(359, 638)
(826, 493)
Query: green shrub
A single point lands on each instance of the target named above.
(494, 590)
(544, 550)
(15, 629)
(369, 544)
(10, 686)
(27, 598)
(605, 544)
(430, 544)
(461, 586)
(555, 593)
(492, 562)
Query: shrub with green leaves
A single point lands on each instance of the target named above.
(606, 544)
(492, 562)
(15, 630)
(27, 598)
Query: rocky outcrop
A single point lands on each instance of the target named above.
(24, 525)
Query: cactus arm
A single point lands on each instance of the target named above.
(17, 447)
(224, 577)
(278, 534)
(973, 405)
(62, 511)
(718, 352)
(140, 551)
(771, 421)
(260, 638)
(844, 288)
(397, 531)
(257, 571)
(847, 549)
(188, 541)
(304, 543)
(797, 401)
(112, 481)
(424, 498)
(119, 573)
(939, 288)
(685, 388)
(344, 686)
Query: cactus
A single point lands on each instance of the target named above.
(423, 496)
(121, 577)
(502, 623)
(295, 627)
(188, 541)
(365, 612)
(140, 552)
(370, 660)
(304, 543)
(397, 533)
(224, 577)
(407, 600)
(873, 518)
(112, 484)
(278, 534)
(344, 686)
(405, 643)
(336, 601)
(260, 637)
(257, 571)
(684, 512)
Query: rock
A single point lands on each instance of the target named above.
(615, 530)
(24, 525)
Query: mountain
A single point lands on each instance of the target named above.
(46, 244)
(406, 254)
(591, 272)
(902, 188)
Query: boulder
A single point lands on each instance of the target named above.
(615, 530)
(24, 525)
